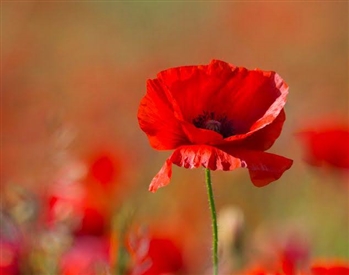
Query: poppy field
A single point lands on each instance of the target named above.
(174, 138)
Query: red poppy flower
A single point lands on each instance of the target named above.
(11, 246)
(257, 270)
(78, 203)
(79, 213)
(327, 145)
(155, 256)
(218, 116)
(82, 200)
(335, 267)
(103, 168)
(88, 256)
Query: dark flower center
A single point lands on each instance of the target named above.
(213, 125)
(219, 124)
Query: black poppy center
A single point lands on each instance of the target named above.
(213, 125)
(218, 123)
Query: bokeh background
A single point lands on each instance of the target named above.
(73, 74)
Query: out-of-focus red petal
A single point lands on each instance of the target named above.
(336, 267)
(192, 157)
(263, 167)
(165, 257)
(156, 118)
(103, 169)
(327, 146)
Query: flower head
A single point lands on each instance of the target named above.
(155, 255)
(88, 255)
(330, 267)
(326, 145)
(103, 169)
(218, 116)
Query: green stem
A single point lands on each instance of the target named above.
(214, 221)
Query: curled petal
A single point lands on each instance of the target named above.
(201, 136)
(162, 178)
(265, 137)
(264, 167)
(278, 104)
(193, 157)
(205, 156)
(265, 99)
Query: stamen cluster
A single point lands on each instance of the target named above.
(218, 123)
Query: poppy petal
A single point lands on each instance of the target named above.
(326, 146)
(182, 106)
(193, 157)
(201, 136)
(206, 156)
(280, 88)
(264, 167)
(199, 84)
(258, 100)
(156, 118)
(265, 137)
(162, 178)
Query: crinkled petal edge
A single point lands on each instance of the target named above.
(194, 156)
(263, 167)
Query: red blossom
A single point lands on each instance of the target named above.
(103, 168)
(154, 255)
(81, 214)
(217, 116)
(88, 256)
(84, 203)
(335, 267)
(11, 246)
(319, 268)
(326, 145)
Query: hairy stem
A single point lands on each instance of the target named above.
(214, 221)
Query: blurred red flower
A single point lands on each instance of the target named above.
(11, 246)
(335, 267)
(103, 168)
(84, 204)
(83, 214)
(155, 255)
(282, 247)
(326, 144)
(88, 256)
(257, 270)
(319, 268)
(218, 116)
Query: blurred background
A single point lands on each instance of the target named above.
(75, 165)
